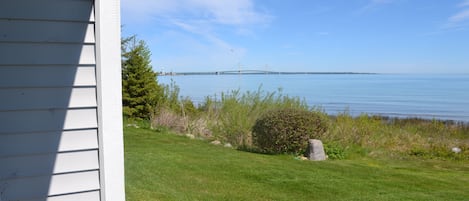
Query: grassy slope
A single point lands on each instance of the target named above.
(161, 166)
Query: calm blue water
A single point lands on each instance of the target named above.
(426, 96)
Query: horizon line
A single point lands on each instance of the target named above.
(254, 72)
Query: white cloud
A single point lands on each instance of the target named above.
(228, 12)
(234, 12)
(464, 3)
(381, 1)
(461, 18)
(193, 54)
(203, 30)
(373, 4)
(201, 20)
(323, 33)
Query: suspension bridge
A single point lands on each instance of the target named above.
(250, 72)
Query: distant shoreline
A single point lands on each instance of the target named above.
(257, 72)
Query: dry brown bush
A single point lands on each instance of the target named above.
(171, 120)
(199, 127)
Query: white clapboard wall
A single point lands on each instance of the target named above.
(48, 103)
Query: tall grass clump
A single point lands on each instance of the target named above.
(174, 112)
(233, 116)
(394, 137)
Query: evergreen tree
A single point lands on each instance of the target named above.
(140, 90)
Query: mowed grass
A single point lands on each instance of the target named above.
(164, 166)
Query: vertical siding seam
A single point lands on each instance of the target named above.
(98, 102)
(97, 62)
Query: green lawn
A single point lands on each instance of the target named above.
(162, 166)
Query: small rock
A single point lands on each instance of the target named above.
(133, 125)
(316, 150)
(215, 142)
(303, 158)
(190, 136)
(456, 150)
(228, 145)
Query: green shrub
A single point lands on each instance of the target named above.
(334, 151)
(233, 116)
(287, 130)
(170, 98)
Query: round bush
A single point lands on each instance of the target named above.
(287, 130)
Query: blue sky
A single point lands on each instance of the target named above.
(380, 36)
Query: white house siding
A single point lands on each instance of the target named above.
(49, 146)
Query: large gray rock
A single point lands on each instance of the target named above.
(316, 150)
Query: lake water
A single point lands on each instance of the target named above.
(426, 96)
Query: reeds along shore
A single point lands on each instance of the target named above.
(403, 121)
(231, 117)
